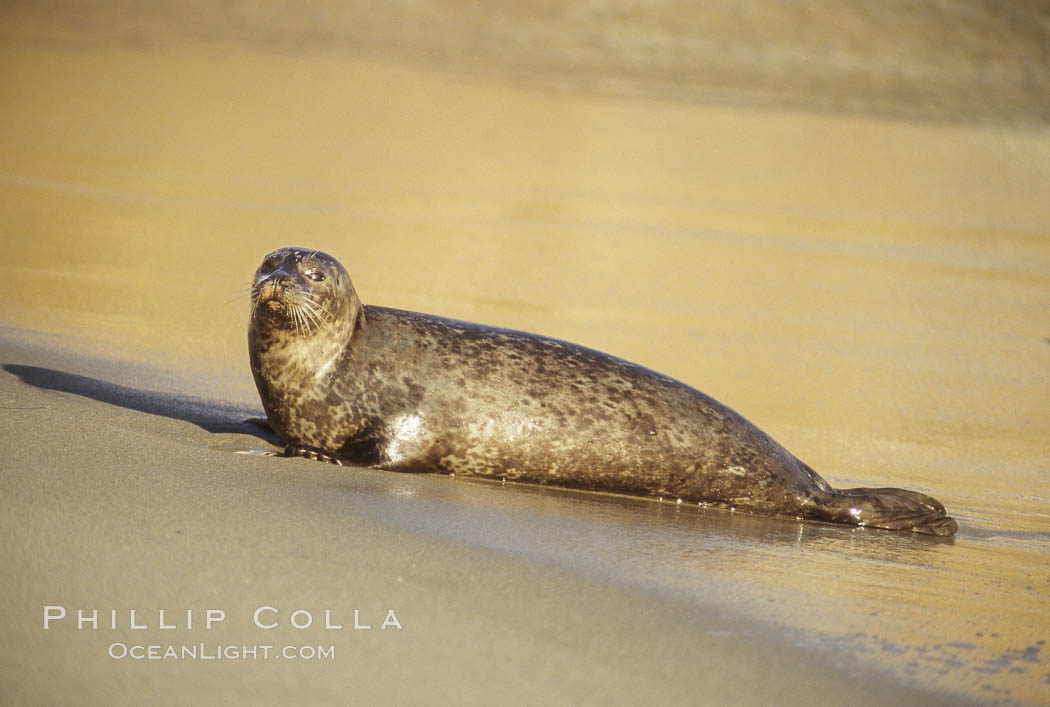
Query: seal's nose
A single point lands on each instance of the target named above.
(280, 275)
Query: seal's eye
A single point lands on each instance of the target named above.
(315, 275)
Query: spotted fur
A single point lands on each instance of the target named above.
(366, 385)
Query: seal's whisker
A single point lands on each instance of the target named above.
(305, 317)
(317, 305)
(236, 298)
(254, 304)
(297, 315)
(310, 309)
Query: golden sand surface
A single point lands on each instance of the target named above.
(871, 291)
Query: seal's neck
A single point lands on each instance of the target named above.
(328, 343)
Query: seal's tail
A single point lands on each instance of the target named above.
(893, 509)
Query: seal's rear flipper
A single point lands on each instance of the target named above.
(893, 509)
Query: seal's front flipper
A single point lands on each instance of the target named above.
(294, 450)
(893, 509)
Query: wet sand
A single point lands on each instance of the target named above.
(870, 291)
(121, 496)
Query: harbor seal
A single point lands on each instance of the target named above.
(358, 384)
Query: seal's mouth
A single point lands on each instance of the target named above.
(284, 305)
(270, 293)
(269, 298)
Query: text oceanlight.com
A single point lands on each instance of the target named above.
(203, 651)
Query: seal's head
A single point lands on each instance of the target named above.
(303, 293)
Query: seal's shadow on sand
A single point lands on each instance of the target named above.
(209, 415)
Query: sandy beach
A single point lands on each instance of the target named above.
(799, 227)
